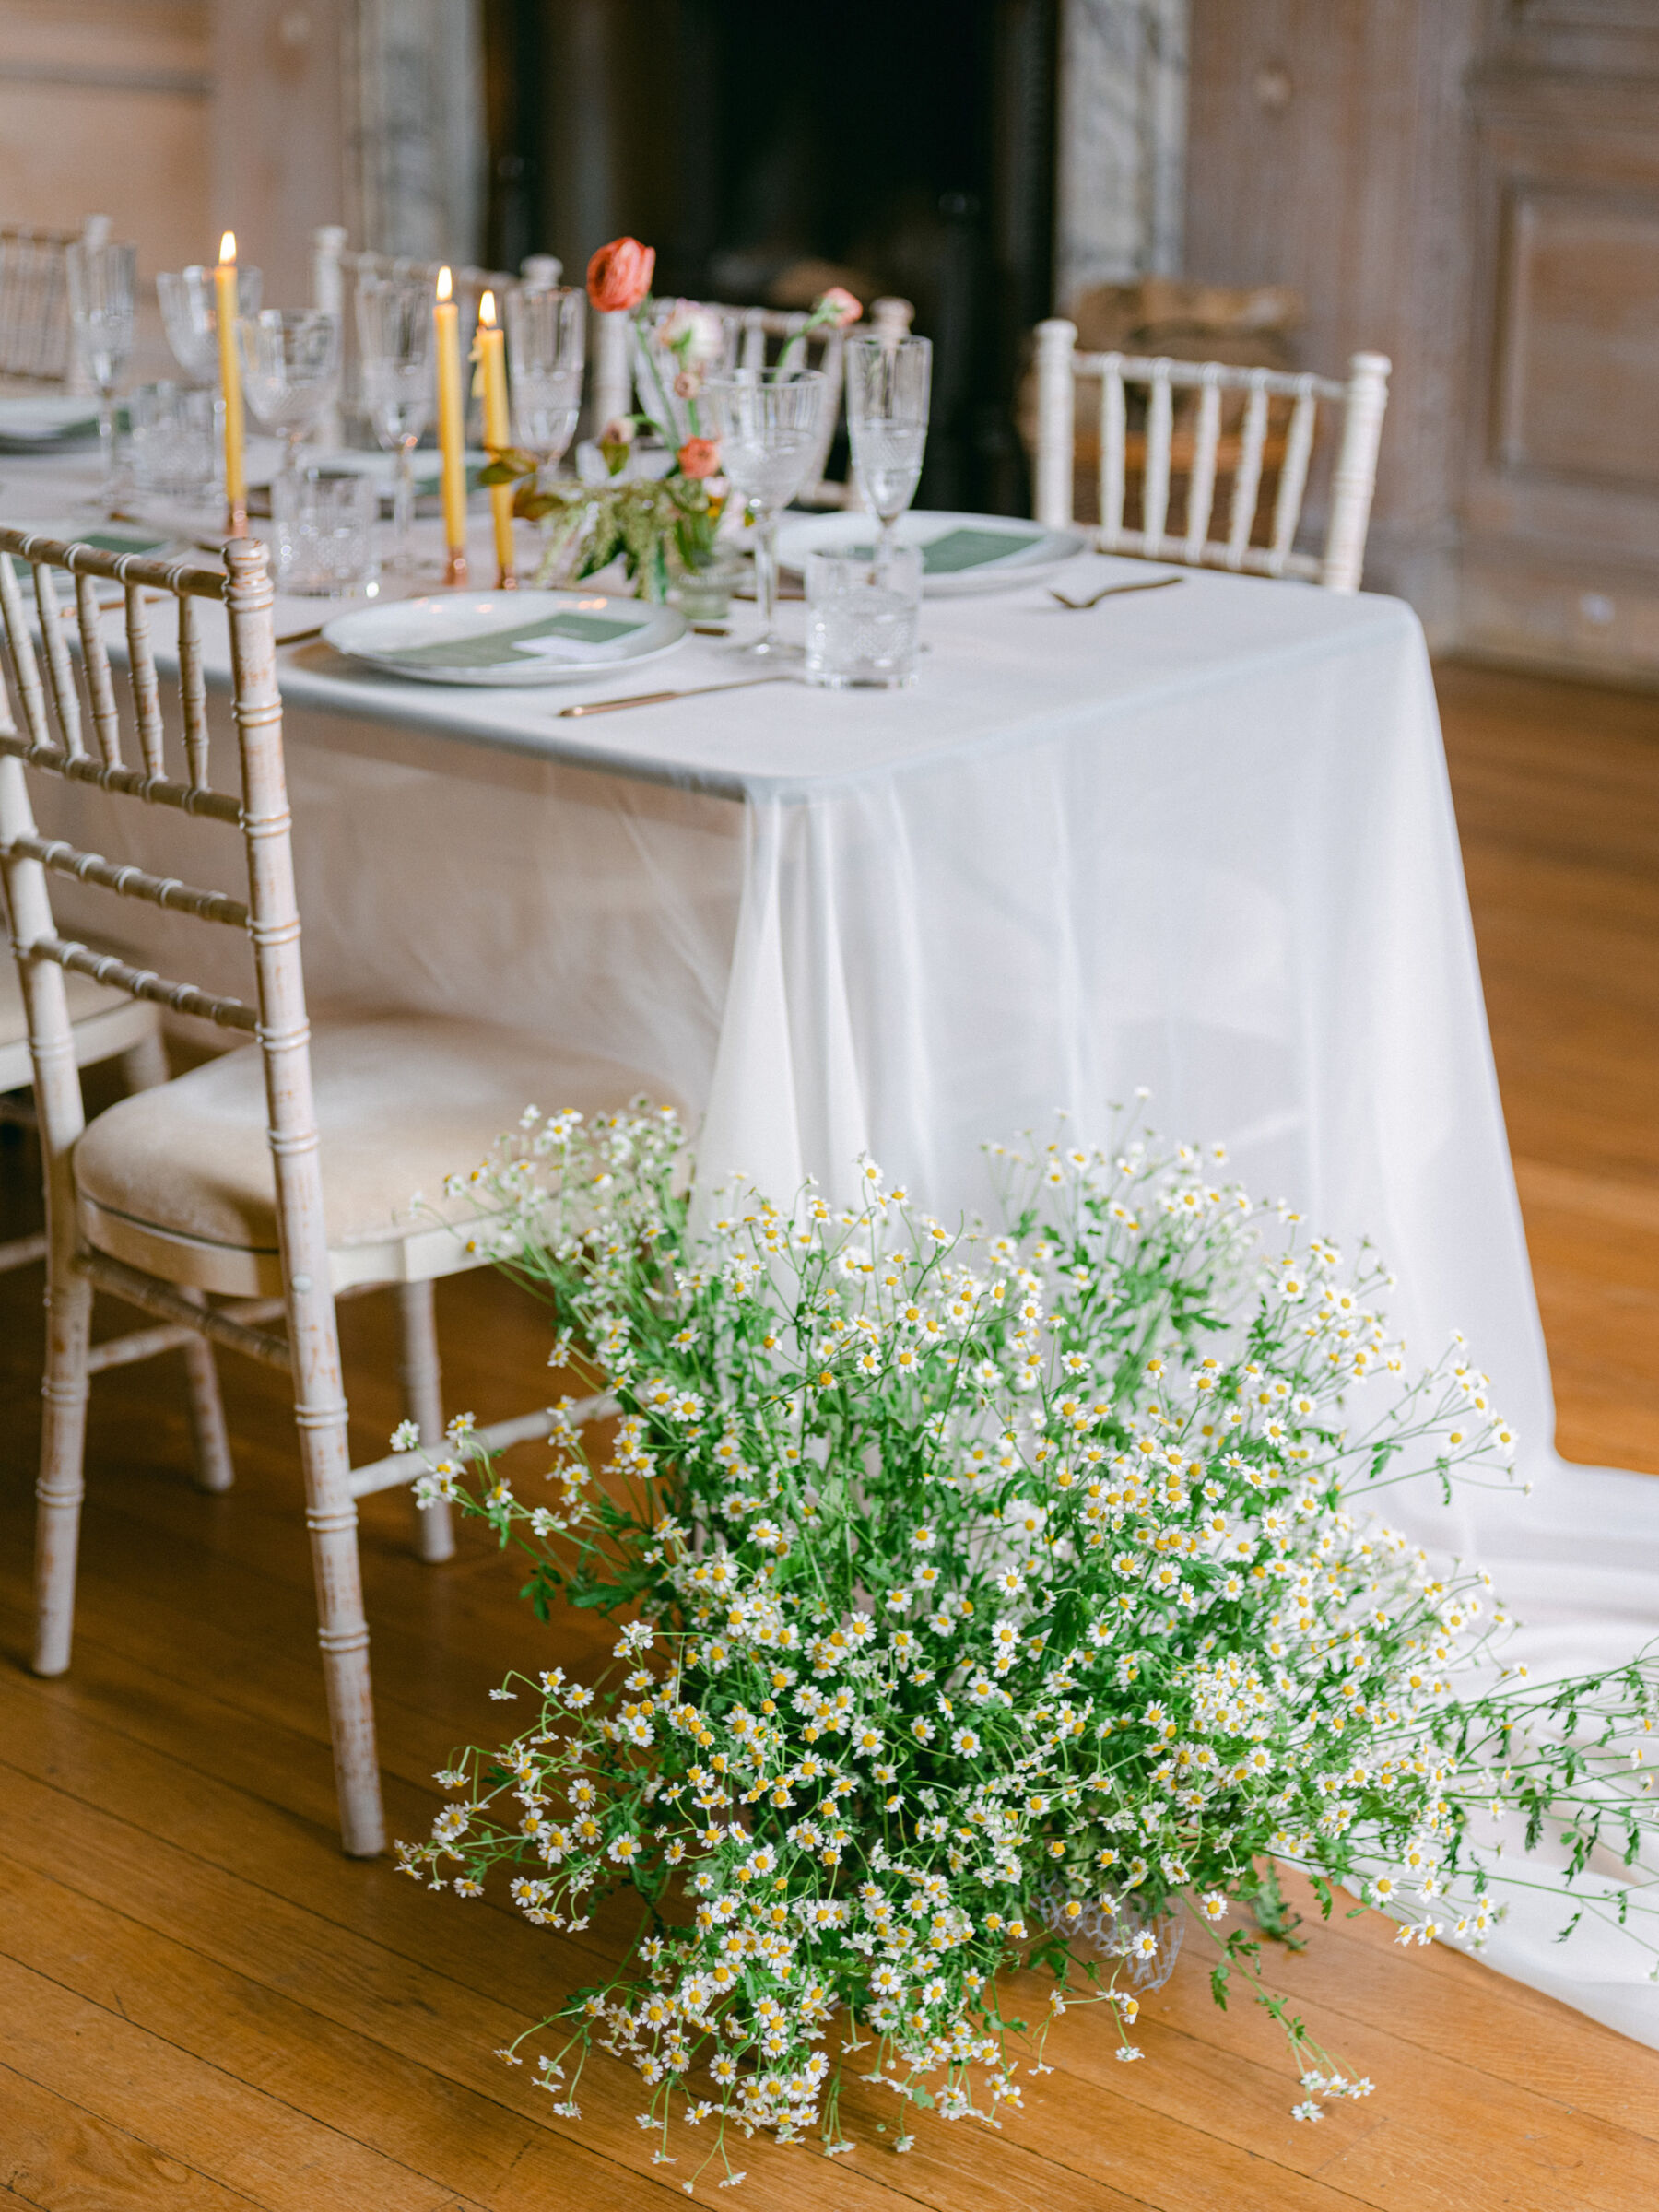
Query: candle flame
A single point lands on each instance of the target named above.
(444, 285)
(487, 310)
(228, 247)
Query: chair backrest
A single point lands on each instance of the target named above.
(55, 714)
(34, 298)
(1361, 400)
(335, 268)
(759, 334)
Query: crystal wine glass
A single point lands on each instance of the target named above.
(887, 381)
(102, 283)
(396, 336)
(290, 360)
(767, 422)
(190, 316)
(547, 340)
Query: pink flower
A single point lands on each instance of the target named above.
(699, 456)
(838, 306)
(619, 275)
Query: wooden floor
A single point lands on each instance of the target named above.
(203, 2006)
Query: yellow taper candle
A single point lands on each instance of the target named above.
(497, 432)
(228, 308)
(451, 431)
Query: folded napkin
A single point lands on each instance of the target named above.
(954, 550)
(562, 637)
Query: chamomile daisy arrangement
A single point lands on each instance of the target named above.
(1004, 1598)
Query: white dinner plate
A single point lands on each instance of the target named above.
(508, 638)
(960, 552)
(29, 421)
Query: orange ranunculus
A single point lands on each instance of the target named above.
(699, 456)
(839, 306)
(619, 275)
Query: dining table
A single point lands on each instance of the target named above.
(1184, 861)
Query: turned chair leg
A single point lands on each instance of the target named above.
(422, 1384)
(214, 1470)
(62, 1482)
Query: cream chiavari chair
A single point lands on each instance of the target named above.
(1361, 400)
(34, 299)
(104, 1024)
(210, 1202)
(757, 332)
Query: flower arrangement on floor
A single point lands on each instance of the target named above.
(661, 526)
(988, 1600)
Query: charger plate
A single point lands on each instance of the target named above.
(499, 639)
(960, 553)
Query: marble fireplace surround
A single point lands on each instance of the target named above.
(417, 157)
(1122, 143)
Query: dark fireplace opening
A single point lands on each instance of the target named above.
(900, 147)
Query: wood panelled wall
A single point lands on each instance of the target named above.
(105, 108)
(1471, 187)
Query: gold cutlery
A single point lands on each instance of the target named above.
(1113, 591)
(656, 698)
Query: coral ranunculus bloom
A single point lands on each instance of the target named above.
(837, 304)
(619, 275)
(699, 456)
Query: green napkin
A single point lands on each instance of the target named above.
(957, 550)
(960, 549)
(498, 647)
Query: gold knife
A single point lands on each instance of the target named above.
(656, 698)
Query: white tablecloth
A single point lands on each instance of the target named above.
(1199, 841)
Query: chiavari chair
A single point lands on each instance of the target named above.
(34, 299)
(1206, 454)
(210, 1202)
(335, 265)
(104, 1024)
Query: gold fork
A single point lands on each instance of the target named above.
(1113, 591)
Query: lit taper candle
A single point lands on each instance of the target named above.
(497, 432)
(227, 307)
(452, 430)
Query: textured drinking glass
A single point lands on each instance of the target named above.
(174, 440)
(861, 619)
(395, 339)
(102, 288)
(767, 420)
(888, 386)
(325, 532)
(190, 316)
(291, 363)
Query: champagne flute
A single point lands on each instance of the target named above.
(102, 278)
(768, 421)
(887, 384)
(394, 336)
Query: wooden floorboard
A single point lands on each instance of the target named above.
(203, 2006)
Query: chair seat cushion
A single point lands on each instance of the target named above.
(401, 1104)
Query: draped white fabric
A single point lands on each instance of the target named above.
(1199, 841)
